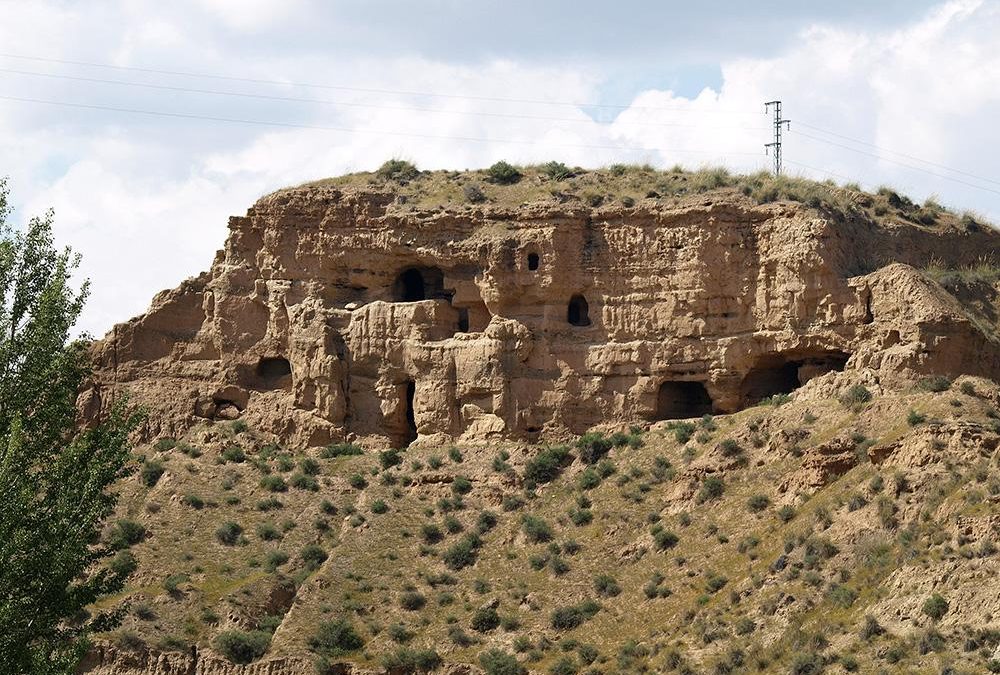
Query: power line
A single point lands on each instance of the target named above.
(368, 90)
(901, 154)
(826, 171)
(291, 125)
(893, 161)
(353, 104)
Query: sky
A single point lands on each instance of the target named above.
(145, 124)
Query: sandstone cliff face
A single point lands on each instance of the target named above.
(341, 314)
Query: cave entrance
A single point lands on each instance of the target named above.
(410, 430)
(784, 373)
(274, 372)
(533, 261)
(578, 311)
(677, 400)
(418, 283)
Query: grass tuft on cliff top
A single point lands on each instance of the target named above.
(626, 185)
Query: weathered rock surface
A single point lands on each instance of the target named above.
(343, 315)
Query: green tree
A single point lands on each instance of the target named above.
(54, 478)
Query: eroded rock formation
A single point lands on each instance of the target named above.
(343, 314)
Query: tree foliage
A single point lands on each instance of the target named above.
(54, 479)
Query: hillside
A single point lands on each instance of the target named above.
(570, 421)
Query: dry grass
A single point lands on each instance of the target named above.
(375, 559)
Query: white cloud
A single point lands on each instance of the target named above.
(145, 199)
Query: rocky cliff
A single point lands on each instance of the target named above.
(339, 312)
(796, 467)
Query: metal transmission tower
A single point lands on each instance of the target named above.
(776, 144)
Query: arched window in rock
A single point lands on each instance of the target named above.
(533, 261)
(578, 311)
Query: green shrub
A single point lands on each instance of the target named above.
(607, 586)
(398, 170)
(340, 450)
(498, 662)
(486, 521)
(229, 533)
(164, 444)
(269, 504)
(808, 663)
(665, 539)
(273, 483)
(935, 607)
(379, 507)
(309, 466)
(937, 384)
(313, 556)
(304, 481)
(571, 616)
(556, 170)
(125, 533)
(714, 583)
(786, 513)
(580, 517)
(592, 446)
(683, 431)
(461, 485)
(564, 666)
(842, 596)
(712, 488)
(462, 553)
(193, 500)
(730, 448)
(123, 564)
(242, 646)
(431, 533)
(503, 173)
(390, 458)
(776, 400)
(357, 481)
(150, 472)
(913, 418)
(857, 395)
(172, 584)
(335, 638)
(275, 559)
(546, 465)
(268, 532)
(409, 660)
(235, 454)
(537, 530)
(589, 478)
(412, 601)
(758, 503)
(485, 619)
(455, 455)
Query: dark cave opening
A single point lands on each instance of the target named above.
(410, 434)
(418, 283)
(533, 262)
(578, 311)
(682, 400)
(274, 372)
(784, 373)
